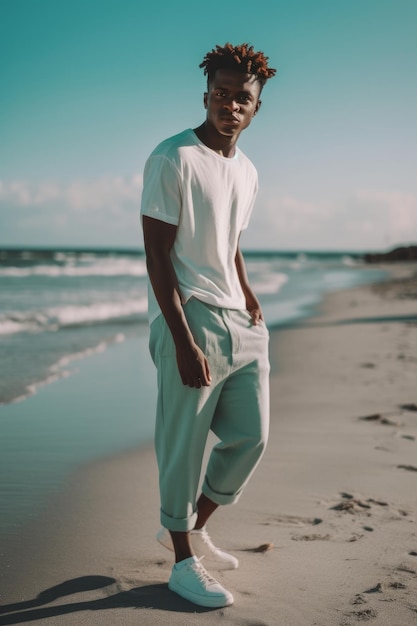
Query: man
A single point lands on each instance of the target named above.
(208, 338)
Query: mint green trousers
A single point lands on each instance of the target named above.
(235, 407)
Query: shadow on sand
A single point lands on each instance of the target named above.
(156, 596)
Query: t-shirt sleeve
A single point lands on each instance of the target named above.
(161, 195)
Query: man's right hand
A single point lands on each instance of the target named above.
(193, 367)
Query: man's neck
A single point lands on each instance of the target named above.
(225, 146)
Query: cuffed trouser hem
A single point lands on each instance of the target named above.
(219, 498)
(178, 525)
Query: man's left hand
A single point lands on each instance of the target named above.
(256, 315)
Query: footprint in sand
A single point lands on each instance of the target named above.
(364, 614)
(406, 569)
(352, 504)
(410, 468)
(393, 588)
(397, 585)
(411, 406)
(293, 520)
(387, 419)
(359, 599)
(355, 537)
(312, 537)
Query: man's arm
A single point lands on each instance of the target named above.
(159, 238)
(252, 302)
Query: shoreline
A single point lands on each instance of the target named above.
(334, 493)
(104, 406)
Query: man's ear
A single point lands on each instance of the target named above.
(258, 106)
(205, 99)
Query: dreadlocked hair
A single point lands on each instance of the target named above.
(241, 58)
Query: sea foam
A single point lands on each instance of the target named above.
(71, 315)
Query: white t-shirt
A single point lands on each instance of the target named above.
(209, 198)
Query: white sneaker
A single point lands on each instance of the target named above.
(203, 546)
(190, 580)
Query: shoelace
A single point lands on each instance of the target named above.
(202, 574)
(206, 539)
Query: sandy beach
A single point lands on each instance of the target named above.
(326, 531)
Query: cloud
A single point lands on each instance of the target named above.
(365, 219)
(396, 210)
(286, 221)
(75, 195)
(102, 211)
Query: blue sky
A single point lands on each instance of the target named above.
(89, 87)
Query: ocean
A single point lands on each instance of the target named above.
(57, 306)
(76, 380)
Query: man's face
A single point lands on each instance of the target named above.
(232, 101)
